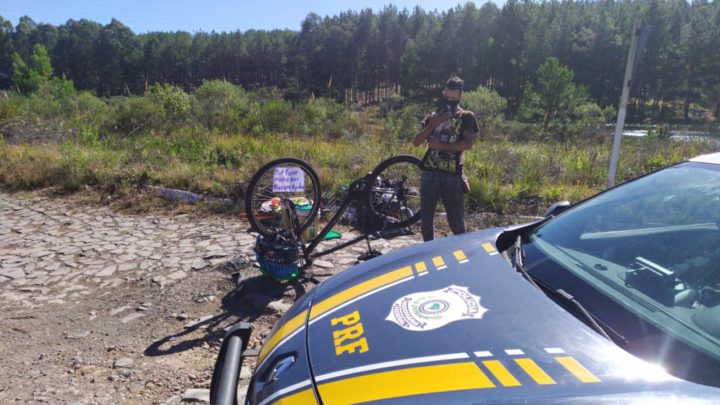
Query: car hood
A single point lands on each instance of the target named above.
(451, 320)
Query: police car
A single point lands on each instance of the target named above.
(615, 299)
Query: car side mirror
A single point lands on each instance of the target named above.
(556, 208)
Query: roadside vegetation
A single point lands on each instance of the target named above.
(212, 140)
(84, 104)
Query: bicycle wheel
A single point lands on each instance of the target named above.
(395, 192)
(282, 178)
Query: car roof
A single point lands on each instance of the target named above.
(713, 158)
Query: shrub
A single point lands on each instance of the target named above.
(486, 195)
(317, 116)
(345, 124)
(87, 112)
(30, 77)
(9, 106)
(30, 166)
(175, 103)
(585, 121)
(403, 124)
(134, 115)
(277, 116)
(271, 117)
(487, 105)
(561, 106)
(225, 152)
(222, 105)
(325, 116)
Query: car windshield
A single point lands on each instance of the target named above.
(651, 245)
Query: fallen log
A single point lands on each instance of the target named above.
(188, 197)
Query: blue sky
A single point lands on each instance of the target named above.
(198, 15)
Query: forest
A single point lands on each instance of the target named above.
(365, 56)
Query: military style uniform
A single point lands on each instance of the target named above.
(442, 175)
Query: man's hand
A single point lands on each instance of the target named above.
(438, 119)
(465, 143)
(434, 142)
(433, 122)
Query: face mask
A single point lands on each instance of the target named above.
(444, 103)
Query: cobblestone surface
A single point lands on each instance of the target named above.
(98, 306)
(54, 252)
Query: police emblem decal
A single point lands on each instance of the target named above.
(430, 310)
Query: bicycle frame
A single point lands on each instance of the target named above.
(357, 191)
(386, 207)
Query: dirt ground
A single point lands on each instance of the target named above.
(101, 306)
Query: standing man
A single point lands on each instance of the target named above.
(449, 132)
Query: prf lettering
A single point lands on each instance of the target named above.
(349, 339)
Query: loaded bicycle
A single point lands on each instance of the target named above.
(283, 203)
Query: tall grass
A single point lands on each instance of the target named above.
(507, 176)
(212, 139)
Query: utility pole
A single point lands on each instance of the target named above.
(622, 109)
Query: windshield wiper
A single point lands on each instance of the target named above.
(569, 298)
(519, 265)
(518, 262)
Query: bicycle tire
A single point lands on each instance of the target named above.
(254, 197)
(401, 164)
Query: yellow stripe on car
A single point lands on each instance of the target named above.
(498, 370)
(284, 331)
(489, 248)
(421, 267)
(405, 382)
(419, 377)
(439, 262)
(534, 371)
(358, 290)
(300, 398)
(460, 256)
(577, 369)
(326, 305)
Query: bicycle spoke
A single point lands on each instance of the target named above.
(261, 213)
(394, 196)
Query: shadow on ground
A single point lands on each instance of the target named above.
(246, 302)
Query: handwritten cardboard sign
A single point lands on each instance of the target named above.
(288, 180)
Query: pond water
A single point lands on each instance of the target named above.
(678, 132)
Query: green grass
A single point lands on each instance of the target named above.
(526, 177)
(196, 143)
(505, 177)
